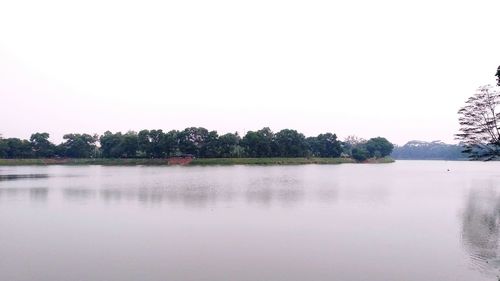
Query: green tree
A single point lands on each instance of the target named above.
(79, 145)
(157, 138)
(259, 143)
(17, 148)
(130, 144)
(171, 142)
(144, 143)
(192, 140)
(379, 147)
(325, 145)
(360, 154)
(312, 146)
(41, 145)
(151, 143)
(351, 142)
(211, 147)
(111, 145)
(290, 143)
(228, 145)
(3, 147)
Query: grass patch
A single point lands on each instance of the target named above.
(269, 161)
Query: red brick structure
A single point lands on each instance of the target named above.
(180, 160)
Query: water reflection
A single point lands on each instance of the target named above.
(34, 193)
(267, 190)
(199, 187)
(202, 195)
(196, 189)
(268, 195)
(78, 194)
(22, 176)
(481, 229)
(192, 196)
(327, 195)
(9, 192)
(347, 222)
(39, 193)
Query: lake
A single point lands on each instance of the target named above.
(409, 220)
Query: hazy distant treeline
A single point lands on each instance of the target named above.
(436, 150)
(196, 141)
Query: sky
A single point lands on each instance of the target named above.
(397, 69)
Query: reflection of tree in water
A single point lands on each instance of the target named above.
(39, 193)
(480, 229)
(261, 190)
(34, 193)
(267, 190)
(22, 176)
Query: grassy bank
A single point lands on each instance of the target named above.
(200, 161)
(89, 161)
(383, 160)
(269, 161)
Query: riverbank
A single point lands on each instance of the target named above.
(270, 161)
(198, 161)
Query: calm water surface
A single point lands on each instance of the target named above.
(410, 220)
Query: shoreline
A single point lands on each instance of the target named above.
(194, 162)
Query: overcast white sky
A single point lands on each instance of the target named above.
(399, 69)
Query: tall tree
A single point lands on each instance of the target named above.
(290, 143)
(157, 140)
(211, 146)
(17, 148)
(151, 143)
(3, 147)
(144, 143)
(228, 145)
(479, 123)
(41, 145)
(111, 145)
(351, 142)
(171, 142)
(259, 143)
(129, 144)
(325, 145)
(79, 145)
(360, 153)
(192, 140)
(379, 147)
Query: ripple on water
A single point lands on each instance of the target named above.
(481, 229)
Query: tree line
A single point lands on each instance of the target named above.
(195, 141)
(435, 150)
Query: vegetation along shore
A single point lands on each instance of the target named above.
(203, 147)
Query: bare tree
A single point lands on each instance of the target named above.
(354, 140)
(479, 120)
